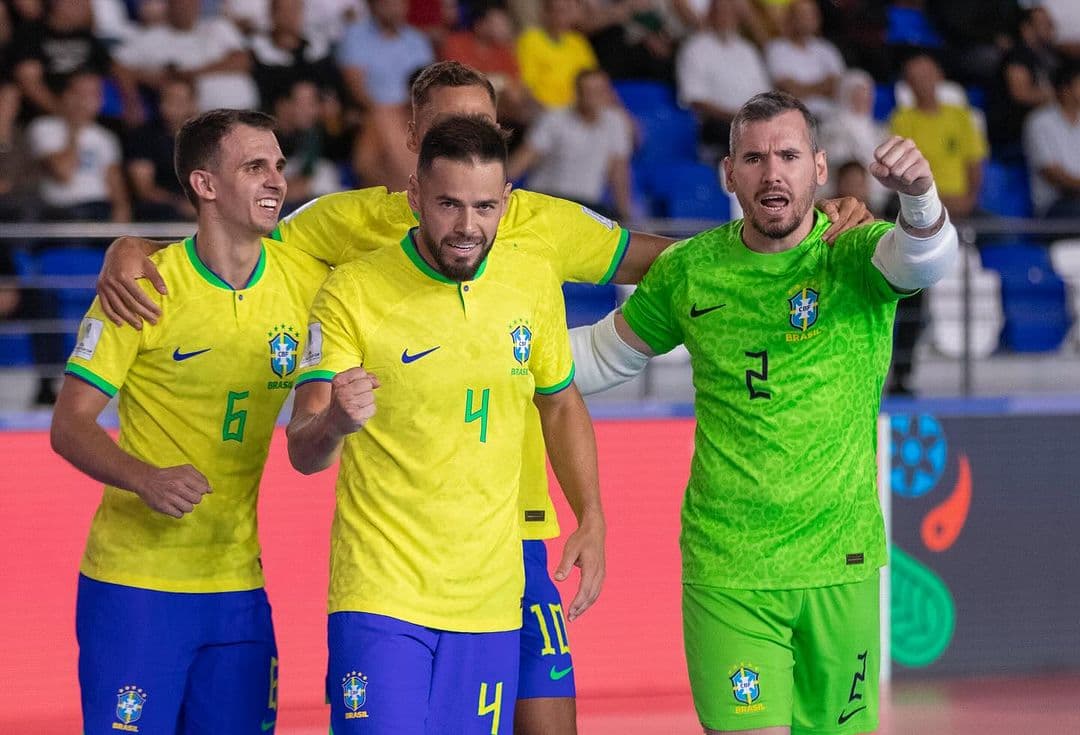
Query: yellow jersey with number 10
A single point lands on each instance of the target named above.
(425, 527)
(568, 239)
(204, 386)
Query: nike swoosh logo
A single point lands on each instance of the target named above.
(180, 356)
(845, 716)
(267, 726)
(557, 674)
(696, 312)
(407, 358)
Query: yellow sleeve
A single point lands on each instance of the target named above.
(339, 228)
(975, 146)
(528, 51)
(551, 363)
(586, 247)
(334, 343)
(586, 56)
(898, 124)
(104, 352)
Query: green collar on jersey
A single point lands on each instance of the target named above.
(213, 278)
(409, 246)
(771, 262)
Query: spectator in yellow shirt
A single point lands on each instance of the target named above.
(946, 134)
(552, 54)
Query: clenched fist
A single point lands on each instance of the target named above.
(900, 166)
(174, 491)
(352, 399)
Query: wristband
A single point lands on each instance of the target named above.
(921, 211)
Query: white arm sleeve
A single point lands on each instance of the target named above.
(601, 359)
(910, 263)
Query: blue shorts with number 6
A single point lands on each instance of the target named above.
(175, 663)
(391, 677)
(546, 667)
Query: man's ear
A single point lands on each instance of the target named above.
(202, 182)
(821, 165)
(411, 141)
(412, 191)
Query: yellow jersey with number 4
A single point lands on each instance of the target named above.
(568, 239)
(425, 527)
(204, 386)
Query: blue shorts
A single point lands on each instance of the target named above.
(390, 677)
(158, 663)
(546, 667)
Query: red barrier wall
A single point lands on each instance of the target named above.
(628, 645)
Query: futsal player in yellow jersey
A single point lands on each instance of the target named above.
(579, 246)
(422, 362)
(173, 624)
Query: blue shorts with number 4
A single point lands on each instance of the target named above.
(546, 667)
(165, 663)
(391, 677)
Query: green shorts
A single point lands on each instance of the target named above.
(804, 658)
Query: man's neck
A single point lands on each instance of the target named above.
(1070, 112)
(930, 105)
(760, 243)
(386, 28)
(229, 252)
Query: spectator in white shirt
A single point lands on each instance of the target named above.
(81, 176)
(717, 71)
(579, 151)
(1052, 147)
(209, 51)
(803, 63)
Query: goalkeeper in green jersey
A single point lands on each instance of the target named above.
(789, 340)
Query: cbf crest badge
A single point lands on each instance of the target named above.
(284, 348)
(130, 701)
(521, 337)
(745, 685)
(803, 309)
(354, 691)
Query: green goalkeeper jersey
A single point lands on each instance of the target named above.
(789, 354)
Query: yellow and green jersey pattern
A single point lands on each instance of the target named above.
(425, 527)
(574, 242)
(789, 353)
(204, 386)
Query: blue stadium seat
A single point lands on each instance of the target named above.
(692, 191)
(884, 100)
(1005, 189)
(15, 349)
(910, 27)
(1032, 294)
(669, 137)
(644, 97)
(586, 303)
(72, 302)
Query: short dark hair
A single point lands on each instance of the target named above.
(446, 74)
(766, 106)
(198, 144)
(467, 139)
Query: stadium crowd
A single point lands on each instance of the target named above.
(93, 91)
(623, 105)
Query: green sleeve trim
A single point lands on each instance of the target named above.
(562, 385)
(98, 382)
(617, 258)
(316, 376)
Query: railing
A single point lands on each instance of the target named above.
(974, 234)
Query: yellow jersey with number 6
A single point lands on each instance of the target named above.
(204, 386)
(568, 239)
(425, 527)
